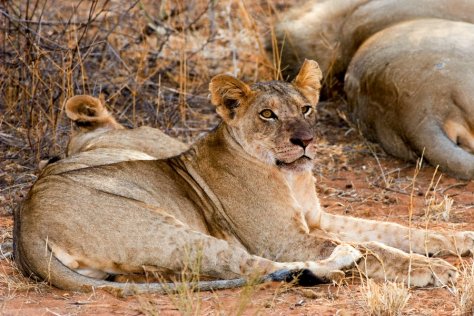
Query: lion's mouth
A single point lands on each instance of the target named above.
(301, 160)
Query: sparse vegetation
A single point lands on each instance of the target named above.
(246, 294)
(386, 299)
(186, 296)
(439, 210)
(13, 283)
(464, 291)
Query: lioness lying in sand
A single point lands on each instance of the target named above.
(242, 198)
(408, 79)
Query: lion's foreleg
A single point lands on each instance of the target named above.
(388, 263)
(422, 241)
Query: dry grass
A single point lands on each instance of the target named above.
(437, 208)
(464, 290)
(184, 292)
(12, 282)
(245, 298)
(186, 296)
(385, 299)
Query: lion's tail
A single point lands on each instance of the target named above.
(72, 281)
(440, 151)
(88, 113)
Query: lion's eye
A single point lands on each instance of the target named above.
(306, 110)
(267, 114)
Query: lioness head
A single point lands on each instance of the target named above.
(272, 121)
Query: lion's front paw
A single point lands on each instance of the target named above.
(343, 257)
(330, 269)
(384, 262)
(431, 272)
(464, 243)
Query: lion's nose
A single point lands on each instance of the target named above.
(301, 139)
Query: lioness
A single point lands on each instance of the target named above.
(242, 199)
(413, 106)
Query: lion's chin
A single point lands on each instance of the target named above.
(303, 163)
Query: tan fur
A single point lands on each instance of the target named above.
(409, 78)
(410, 88)
(309, 80)
(331, 31)
(241, 199)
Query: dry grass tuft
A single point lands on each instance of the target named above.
(464, 291)
(386, 299)
(12, 281)
(439, 210)
(246, 293)
(186, 296)
(147, 306)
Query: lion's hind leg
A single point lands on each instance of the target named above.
(160, 241)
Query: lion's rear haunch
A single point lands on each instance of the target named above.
(35, 259)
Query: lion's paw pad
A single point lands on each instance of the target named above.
(433, 272)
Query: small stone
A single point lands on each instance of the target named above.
(300, 303)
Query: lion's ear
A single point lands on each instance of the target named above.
(308, 80)
(228, 94)
(89, 113)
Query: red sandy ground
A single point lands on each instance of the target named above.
(350, 180)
